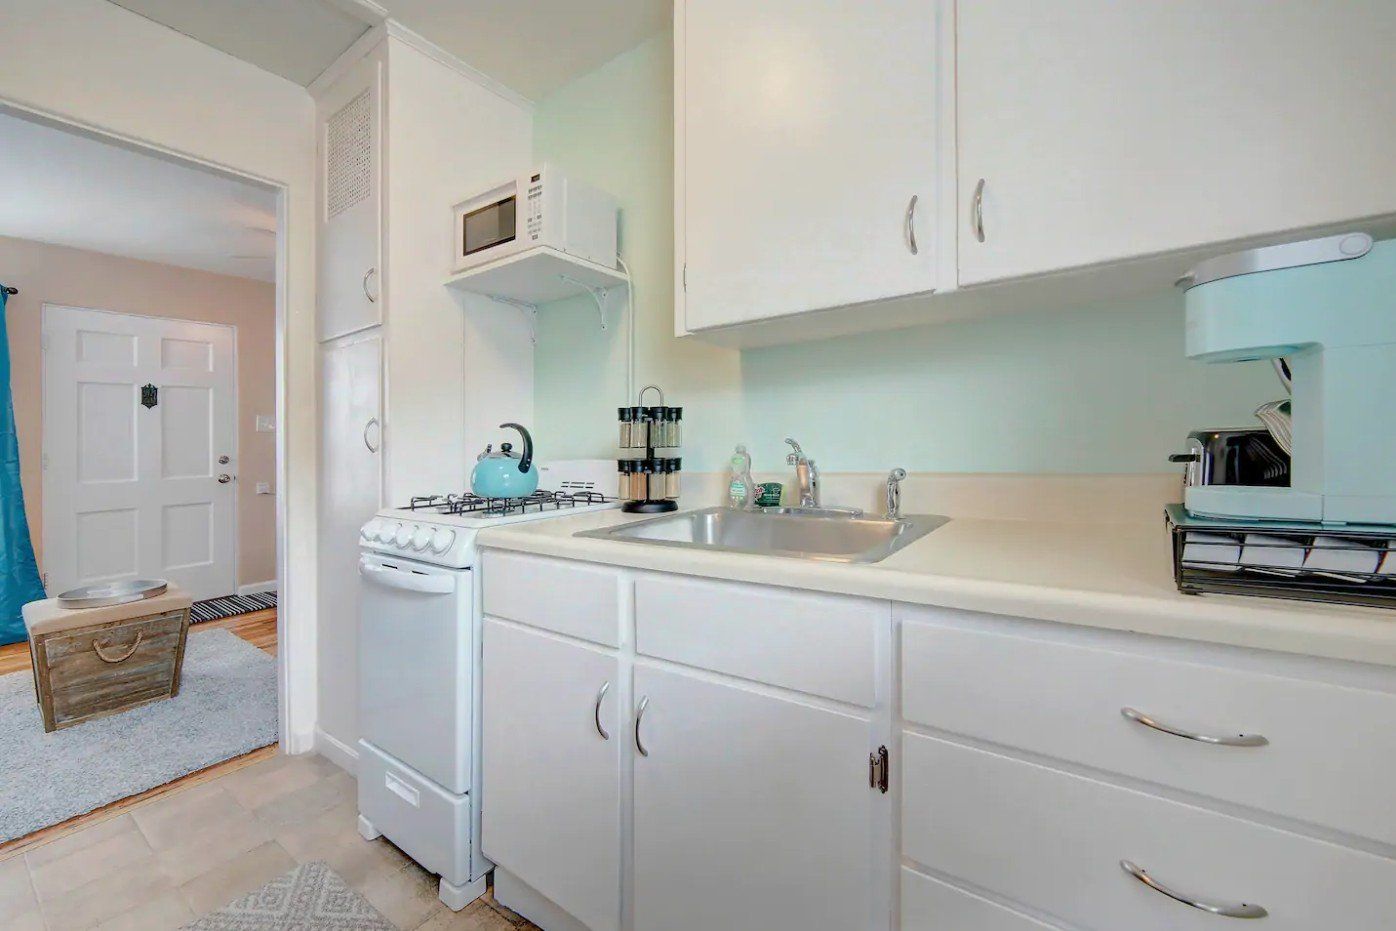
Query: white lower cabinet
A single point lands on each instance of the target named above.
(751, 811)
(552, 782)
(931, 905)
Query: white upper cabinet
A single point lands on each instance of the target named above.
(1104, 130)
(349, 118)
(806, 168)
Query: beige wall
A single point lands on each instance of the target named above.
(58, 275)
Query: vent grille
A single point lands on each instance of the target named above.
(349, 155)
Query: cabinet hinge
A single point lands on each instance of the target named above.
(877, 770)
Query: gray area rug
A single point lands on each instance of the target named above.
(226, 706)
(311, 897)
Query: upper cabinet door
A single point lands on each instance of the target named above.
(350, 284)
(1095, 130)
(806, 156)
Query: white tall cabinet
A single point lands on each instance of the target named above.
(404, 133)
(807, 160)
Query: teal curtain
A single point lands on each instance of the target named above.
(19, 574)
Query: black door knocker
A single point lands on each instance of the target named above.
(150, 396)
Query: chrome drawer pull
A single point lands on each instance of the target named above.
(639, 716)
(97, 648)
(596, 709)
(976, 211)
(1226, 909)
(1239, 740)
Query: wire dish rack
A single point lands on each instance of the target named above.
(1352, 564)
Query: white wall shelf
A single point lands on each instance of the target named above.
(538, 276)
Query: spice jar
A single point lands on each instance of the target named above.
(626, 426)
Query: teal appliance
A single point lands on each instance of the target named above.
(1328, 308)
(505, 474)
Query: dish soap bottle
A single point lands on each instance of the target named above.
(741, 490)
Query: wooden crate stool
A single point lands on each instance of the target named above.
(92, 662)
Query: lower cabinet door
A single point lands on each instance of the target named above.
(551, 790)
(751, 811)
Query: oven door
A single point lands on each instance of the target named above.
(490, 226)
(415, 670)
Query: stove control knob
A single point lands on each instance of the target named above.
(386, 532)
(441, 541)
(422, 538)
(404, 535)
(370, 530)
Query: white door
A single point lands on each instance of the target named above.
(138, 487)
(807, 129)
(551, 789)
(751, 811)
(1104, 129)
(350, 492)
(350, 283)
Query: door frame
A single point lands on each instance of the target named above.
(44, 309)
(296, 674)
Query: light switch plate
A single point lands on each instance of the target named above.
(266, 423)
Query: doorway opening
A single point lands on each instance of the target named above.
(143, 335)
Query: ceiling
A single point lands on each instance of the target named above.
(296, 39)
(60, 187)
(531, 46)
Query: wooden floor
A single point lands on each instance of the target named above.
(257, 628)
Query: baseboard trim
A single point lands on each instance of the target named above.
(337, 752)
(256, 588)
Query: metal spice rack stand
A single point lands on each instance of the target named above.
(649, 484)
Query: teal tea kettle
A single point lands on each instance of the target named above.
(505, 474)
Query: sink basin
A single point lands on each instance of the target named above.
(826, 536)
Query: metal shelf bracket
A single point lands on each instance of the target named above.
(598, 295)
(530, 314)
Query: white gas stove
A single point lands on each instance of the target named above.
(419, 664)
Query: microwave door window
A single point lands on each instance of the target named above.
(489, 226)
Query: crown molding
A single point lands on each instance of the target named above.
(438, 54)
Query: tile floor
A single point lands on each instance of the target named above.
(181, 855)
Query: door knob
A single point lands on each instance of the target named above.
(222, 460)
(224, 479)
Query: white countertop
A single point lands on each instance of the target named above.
(1116, 576)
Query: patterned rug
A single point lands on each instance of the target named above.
(311, 897)
(214, 609)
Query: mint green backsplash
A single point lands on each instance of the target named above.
(1101, 388)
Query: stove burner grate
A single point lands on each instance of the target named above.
(477, 506)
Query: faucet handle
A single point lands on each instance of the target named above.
(797, 455)
(894, 493)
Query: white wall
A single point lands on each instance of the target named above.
(92, 63)
(455, 364)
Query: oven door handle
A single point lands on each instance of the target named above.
(433, 584)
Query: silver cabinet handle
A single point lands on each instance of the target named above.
(911, 225)
(639, 716)
(976, 211)
(1239, 740)
(596, 710)
(1225, 909)
(372, 422)
(372, 298)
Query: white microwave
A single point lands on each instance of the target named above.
(541, 208)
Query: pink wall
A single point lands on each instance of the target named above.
(58, 275)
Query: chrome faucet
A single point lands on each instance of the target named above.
(806, 475)
(894, 493)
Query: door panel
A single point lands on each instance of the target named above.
(551, 792)
(1106, 130)
(750, 811)
(131, 490)
(807, 129)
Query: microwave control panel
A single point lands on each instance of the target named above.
(535, 208)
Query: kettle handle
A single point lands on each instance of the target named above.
(526, 460)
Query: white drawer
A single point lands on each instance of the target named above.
(1054, 842)
(931, 905)
(429, 824)
(1331, 748)
(570, 598)
(813, 643)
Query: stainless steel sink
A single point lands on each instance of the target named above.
(826, 535)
